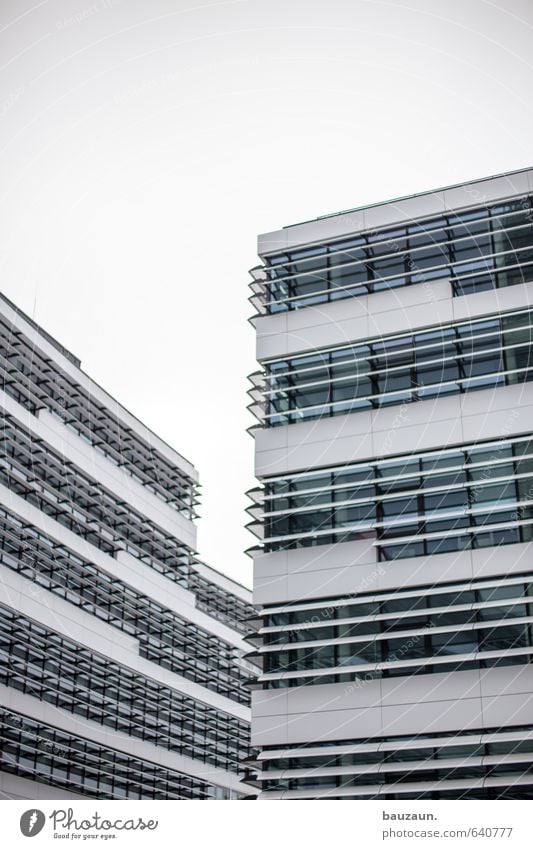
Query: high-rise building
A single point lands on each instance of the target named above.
(395, 502)
(121, 670)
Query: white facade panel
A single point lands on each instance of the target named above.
(407, 705)
(440, 422)
(344, 321)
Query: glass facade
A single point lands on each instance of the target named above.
(484, 248)
(55, 669)
(41, 752)
(444, 628)
(393, 553)
(37, 473)
(482, 763)
(425, 503)
(37, 382)
(164, 637)
(131, 633)
(220, 603)
(492, 351)
(75, 499)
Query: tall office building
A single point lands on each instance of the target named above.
(395, 502)
(121, 671)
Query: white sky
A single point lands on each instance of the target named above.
(145, 144)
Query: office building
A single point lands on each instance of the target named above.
(394, 510)
(122, 673)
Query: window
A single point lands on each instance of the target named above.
(479, 250)
(447, 360)
(475, 496)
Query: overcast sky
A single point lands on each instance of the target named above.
(146, 143)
